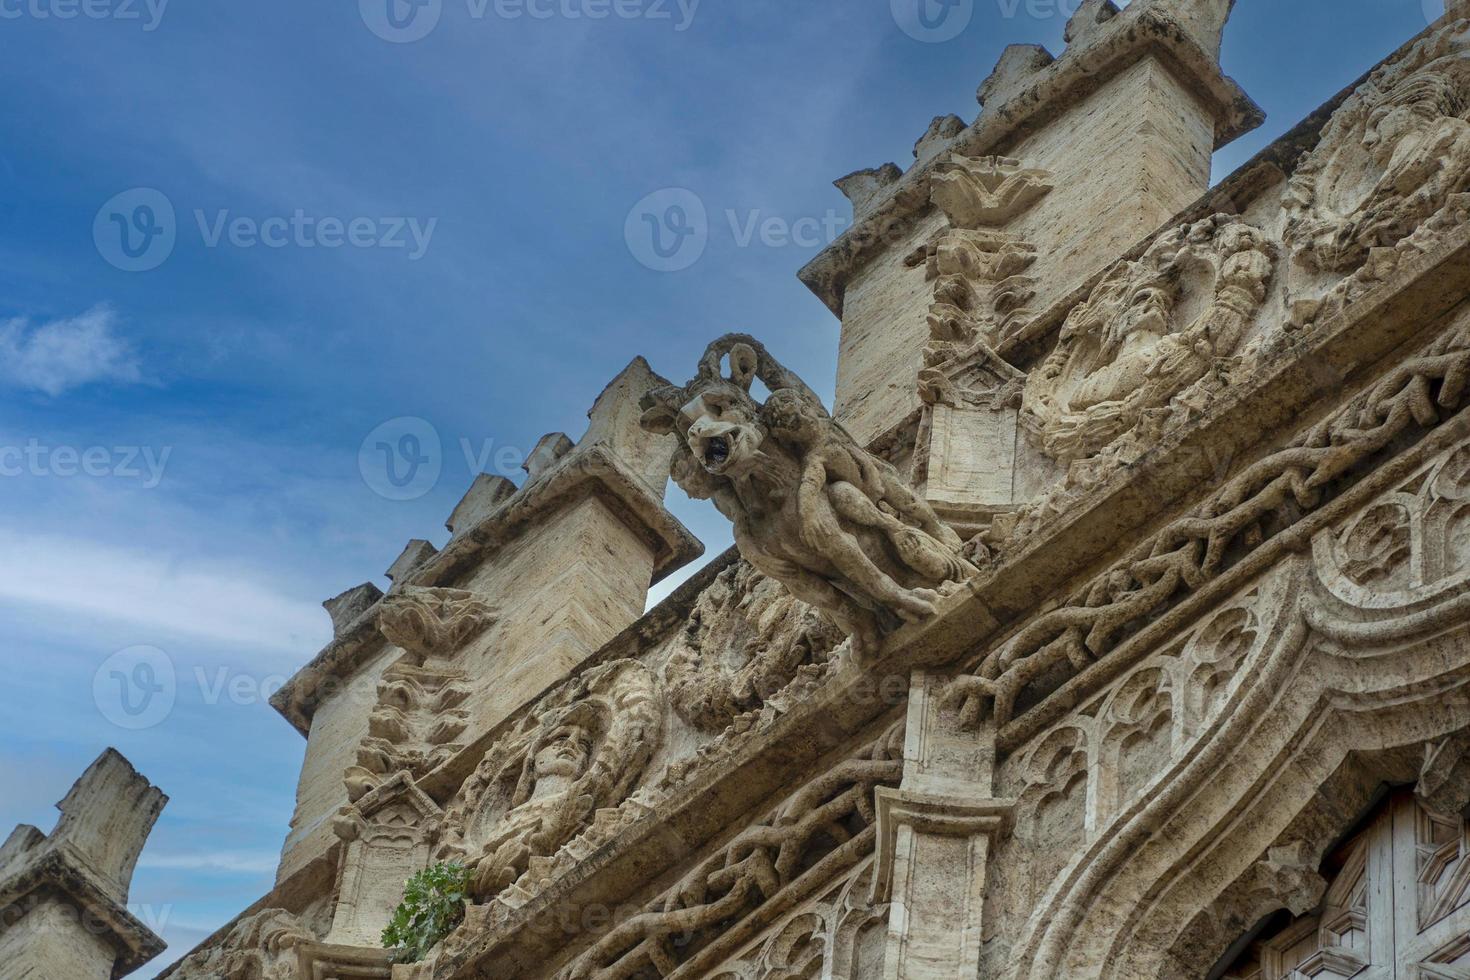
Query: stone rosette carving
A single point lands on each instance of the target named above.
(581, 750)
(1152, 342)
(1389, 176)
(810, 507)
(746, 640)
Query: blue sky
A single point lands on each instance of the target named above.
(180, 446)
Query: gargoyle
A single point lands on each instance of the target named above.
(810, 507)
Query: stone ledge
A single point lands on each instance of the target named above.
(61, 872)
(1321, 360)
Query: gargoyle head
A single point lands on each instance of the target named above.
(719, 422)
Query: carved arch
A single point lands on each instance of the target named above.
(1331, 708)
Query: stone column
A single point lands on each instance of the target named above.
(935, 835)
(63, 897)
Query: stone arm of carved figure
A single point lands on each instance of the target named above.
(912, 507)
(819, 504)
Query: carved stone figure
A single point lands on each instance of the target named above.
(581, 750)
(810, 507)
(1395, 156)
(1151, 331)
(746, 640)
(259, 947)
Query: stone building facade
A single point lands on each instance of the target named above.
(1114, 622)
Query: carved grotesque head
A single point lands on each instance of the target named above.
(722, 428)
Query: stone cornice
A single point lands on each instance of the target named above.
(63, 873)
(1084, 66)
(593, 470)
(1321, 361)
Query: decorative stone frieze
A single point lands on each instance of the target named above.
(1389, 176)
(1191, 550)
(262, 946)
(830, 821)
(580, 752)
(1151, 344)
(746, 640)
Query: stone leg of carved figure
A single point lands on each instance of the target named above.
(915, 508)
(844, 550)
(858, 623)
(916, 548)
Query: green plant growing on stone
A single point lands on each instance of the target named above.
(433, 904)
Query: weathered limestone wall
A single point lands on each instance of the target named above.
(338, 726)
(556, 613)
(52, 942)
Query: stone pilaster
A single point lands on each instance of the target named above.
(935, 836)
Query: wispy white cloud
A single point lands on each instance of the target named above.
(164, 593)
(59, 355)
(231, 862)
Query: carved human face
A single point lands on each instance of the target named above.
(1391, 125)
(1146, 314)
(724, 432)
(566, 754)
(791, 418)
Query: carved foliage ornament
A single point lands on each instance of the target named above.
(810, 507)
(581, 750)
(746, 641)
(1390, 172)
(831, 817)
(260, 947)
(433, 622)
(1253, 506)
(1153, 340)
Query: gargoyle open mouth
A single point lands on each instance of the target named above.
(716, 451)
